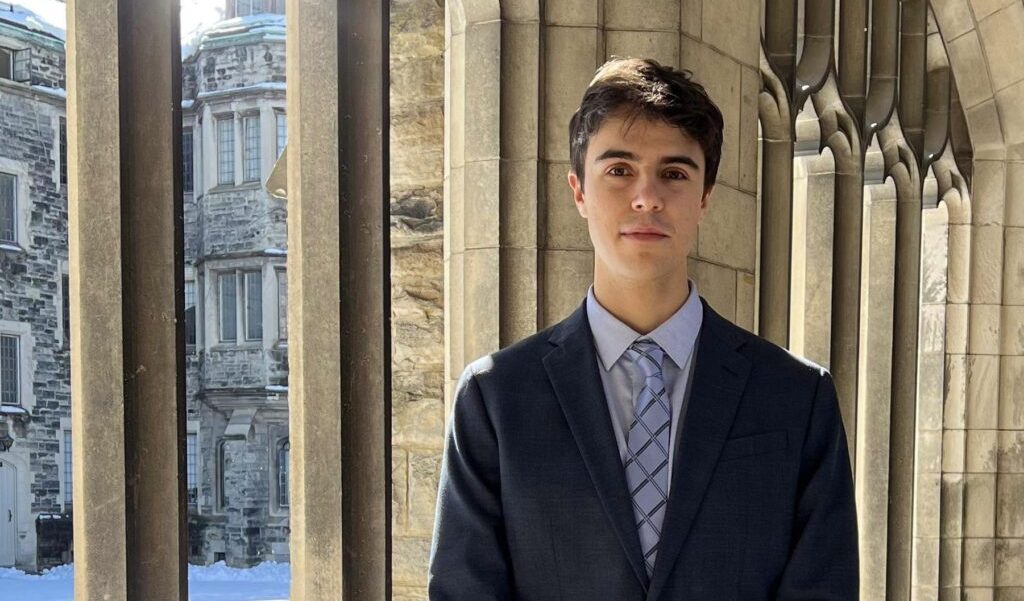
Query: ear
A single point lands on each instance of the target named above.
(705, 202)
(577, 193)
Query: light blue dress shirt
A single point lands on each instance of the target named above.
(622, 379)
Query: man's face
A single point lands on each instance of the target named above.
(643, 197)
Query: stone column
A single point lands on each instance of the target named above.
(874, 400)
(340, 366)
(314, 317)
(126, 299)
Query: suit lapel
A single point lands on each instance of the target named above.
(720, 375)
(573, 370)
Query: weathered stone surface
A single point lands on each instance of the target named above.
(409, 560)
(417, 282)
(400, 484)
(424, 471)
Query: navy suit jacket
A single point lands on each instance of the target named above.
(533, 502)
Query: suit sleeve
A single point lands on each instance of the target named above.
(469, 555)
(823, 561)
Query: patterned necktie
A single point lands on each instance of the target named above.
(648, 441)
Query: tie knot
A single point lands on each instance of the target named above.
(647, 355)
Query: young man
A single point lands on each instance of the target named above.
(644, 448)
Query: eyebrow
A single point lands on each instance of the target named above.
(613, 153)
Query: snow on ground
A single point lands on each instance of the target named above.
(267, 581)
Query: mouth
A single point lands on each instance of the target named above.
(644, 234)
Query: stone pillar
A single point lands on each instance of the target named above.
(126, 284)
(1009, 543)
(931, 370)
(340, 370)
(811, 289)
(314, 317)
(874, 400)
(365, 282)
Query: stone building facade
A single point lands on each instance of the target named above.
(234, 129)
(35, 475)
(235, 291)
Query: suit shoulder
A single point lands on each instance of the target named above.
(763, 352)
(514, 358)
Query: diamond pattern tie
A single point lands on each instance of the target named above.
(648, 441)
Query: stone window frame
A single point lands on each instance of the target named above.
(242, 300)
(281, 278)
(65, 493)
(210, 338)
(190, 278)
(188, 162)
(192, 428)
(276, 507)
(60, 152)
(17, 58)
(252, 157)
(62, 303)
(225, 179)
(22, 206)
(26, 347)
(280, 132)
(219, 500)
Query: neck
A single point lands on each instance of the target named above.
(642, 304)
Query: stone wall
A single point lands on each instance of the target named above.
(226, 61)
(239, 221)
(30, 298)
(417, 280)
(230, 227)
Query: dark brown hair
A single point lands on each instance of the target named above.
(646, 88)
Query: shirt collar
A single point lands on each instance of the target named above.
(676, 335)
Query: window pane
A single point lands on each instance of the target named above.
(63, 141)
(191, 442)
(252, 148)
(22, 63)
(228, 304)
(68, 472)
(190, 312)
(6, 63)
(65, 308)
(282, 474)
(8, 209)
(222, 481)
(9, 370)
(282, 131)
(186, 160)
(225, 150)
(282, 304)
(253, 306)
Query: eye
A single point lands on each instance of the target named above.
(618, 171)
(676, 174)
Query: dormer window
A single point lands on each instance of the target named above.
(245, 8)
(14, 64)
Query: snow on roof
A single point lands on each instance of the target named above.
(266, 24)
(48, 17)
(266, 86)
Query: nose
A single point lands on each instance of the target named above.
(647, 197)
